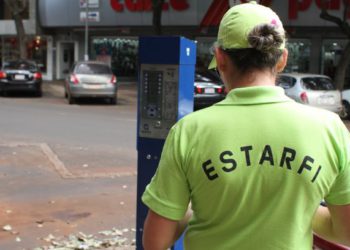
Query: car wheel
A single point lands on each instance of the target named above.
(345, 114)
(39, 93)
(71, 99)
(113, 100)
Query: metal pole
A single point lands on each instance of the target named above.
(86, 56)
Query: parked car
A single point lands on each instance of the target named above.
(20, 75)
(208, 89)
(346, 103)
(311, 89)
(91, 79)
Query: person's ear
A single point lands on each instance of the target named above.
(282, 62)
(220, 57)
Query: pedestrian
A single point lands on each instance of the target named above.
(255, 166)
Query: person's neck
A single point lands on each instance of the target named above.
(259, 78)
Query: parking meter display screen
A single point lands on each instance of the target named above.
(158, 99)
(154, 83)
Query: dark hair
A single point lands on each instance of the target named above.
(265, 42)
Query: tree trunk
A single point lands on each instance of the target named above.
(341, 69)
(21, 35)
(340, 72)
(157, 6)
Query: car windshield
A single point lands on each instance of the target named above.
(22, 65)
(318, 83)
(91, 69)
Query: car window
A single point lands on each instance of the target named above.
(317, 83)
(212, 75)
(201, 78)
(85, 68)
(23, 65)
(285, 82)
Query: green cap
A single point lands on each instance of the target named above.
(239, 21)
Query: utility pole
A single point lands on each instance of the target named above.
(86, 56)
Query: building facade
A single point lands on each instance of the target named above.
(59, 30)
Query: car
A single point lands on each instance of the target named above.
(311, 89)
(346, 103)
(91, 79)
(20, 75)
(208, 89)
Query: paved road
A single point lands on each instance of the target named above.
(67, 169)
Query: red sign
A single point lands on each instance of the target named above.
(296, 6)
(146, 5)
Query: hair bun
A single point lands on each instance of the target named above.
(265, 38)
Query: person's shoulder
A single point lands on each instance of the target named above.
(199, 117)
(315, 113)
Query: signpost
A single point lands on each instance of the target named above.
(87, 16)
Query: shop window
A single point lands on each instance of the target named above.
(120, 53)
(36, 50)
(298, 56)
(331, 53)
(204, 53)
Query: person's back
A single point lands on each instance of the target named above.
(257, 179)
(256, 166)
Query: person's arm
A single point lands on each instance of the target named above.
(332, 223)
(160, 233)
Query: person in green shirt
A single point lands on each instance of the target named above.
(255, 166)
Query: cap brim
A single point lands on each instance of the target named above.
(212, 64)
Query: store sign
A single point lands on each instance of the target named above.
(146, 5)
(296, 6)
(93, 16)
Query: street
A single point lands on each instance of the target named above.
(67, 170)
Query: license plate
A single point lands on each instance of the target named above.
(20, 77)
(93, 86)
(326, 100)
(209, 91)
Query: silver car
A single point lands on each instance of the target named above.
(91, 79)
(311, 89)
(346, 103)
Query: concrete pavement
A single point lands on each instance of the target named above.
(45, 203)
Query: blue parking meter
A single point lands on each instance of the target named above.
(165, 95)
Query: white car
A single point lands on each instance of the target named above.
(346, 102)
(311, 89)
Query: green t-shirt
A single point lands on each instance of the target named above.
(255, 168)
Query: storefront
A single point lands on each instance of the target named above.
(114, 27)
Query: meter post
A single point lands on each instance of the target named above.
(165, 95)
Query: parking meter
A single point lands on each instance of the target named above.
(165, 95)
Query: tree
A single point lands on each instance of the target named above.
(157, 7)
(340, 72)
(17, 7)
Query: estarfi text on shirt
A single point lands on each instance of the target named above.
(285, 161)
